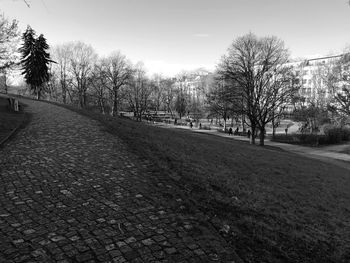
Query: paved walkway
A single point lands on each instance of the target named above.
(326, 154)
(71, 192)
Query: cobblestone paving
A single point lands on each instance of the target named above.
(71, 192)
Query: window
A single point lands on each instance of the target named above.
(304, 81)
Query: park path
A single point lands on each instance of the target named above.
(71, 192)
(326, 154)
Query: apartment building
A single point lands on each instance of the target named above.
(195, 84)
(314, 76)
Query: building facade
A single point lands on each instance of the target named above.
(316, 79)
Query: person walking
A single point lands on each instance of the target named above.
(230, 131)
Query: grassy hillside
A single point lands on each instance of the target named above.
(273, 206)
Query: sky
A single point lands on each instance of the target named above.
(174, 35)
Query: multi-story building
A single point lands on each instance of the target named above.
(314, 76)
(195, 84)
(318, 84)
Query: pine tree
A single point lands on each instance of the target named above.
(35, 60)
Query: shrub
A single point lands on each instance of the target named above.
(303, 139)
(346, 134)
(333, 134)
(312, 139)
(289, 138)
(336, 134)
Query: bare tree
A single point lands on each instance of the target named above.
(181, 101)
(51, 85)
(182, 96)
(223, 100)
(343, 100)
(169, 94)
(81, 61)
(4, 83)
(98, 82)
(258, 66)
(117, 71)
(158, 91)
(341, 80)
(62, 55)
(9, 39)
(139, 91)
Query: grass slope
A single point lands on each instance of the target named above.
(277, 206)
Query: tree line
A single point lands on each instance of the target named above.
(113, 82)
(254, 82)
(73, 73)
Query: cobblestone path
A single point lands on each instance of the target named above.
(71, 192)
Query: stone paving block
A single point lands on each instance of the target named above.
(119, 259)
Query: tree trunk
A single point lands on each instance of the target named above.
(81, 103)
(262, 136)
(37, 93)
(5, 83)
(252, 138)
(115, 103)
(102, 106)
(84, 99)
(64, 94)
(243, 122)
(273, 128)
(139, 116)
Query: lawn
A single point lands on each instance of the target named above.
(9, 120)
(346, 150)
(271, 205)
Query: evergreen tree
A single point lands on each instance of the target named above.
(35, 60)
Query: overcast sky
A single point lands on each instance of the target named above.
(170, 35)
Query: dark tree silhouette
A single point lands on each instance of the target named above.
(181, 103)
(35, 61)
(259, 66)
